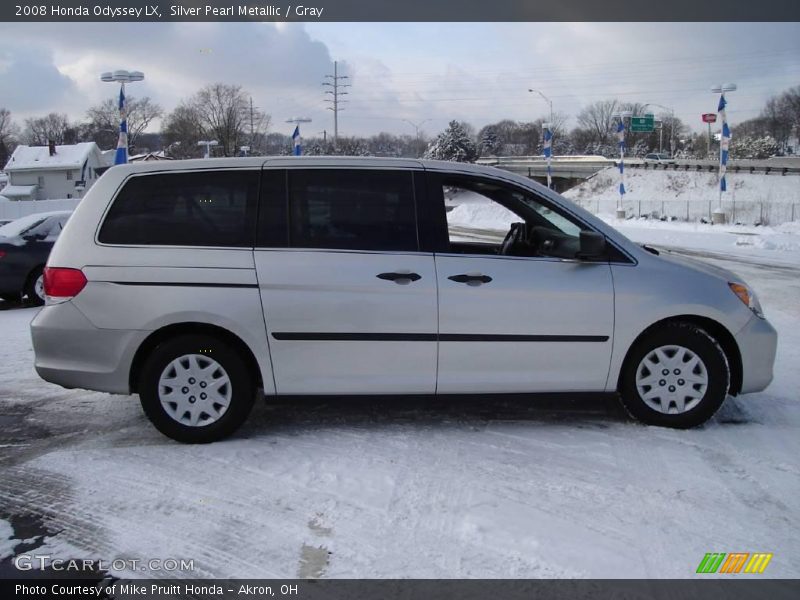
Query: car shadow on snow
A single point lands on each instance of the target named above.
(12, 304)
(582, 411)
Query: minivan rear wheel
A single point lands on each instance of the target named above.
(675, 376)
(196, 389)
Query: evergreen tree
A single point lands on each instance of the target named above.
(490, 142)
(453, 144)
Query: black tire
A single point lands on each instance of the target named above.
(699, 342)
(30, 287)
(242, 388)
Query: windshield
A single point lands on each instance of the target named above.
(21, 225)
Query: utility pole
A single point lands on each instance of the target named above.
(334, 100)
(252, 128)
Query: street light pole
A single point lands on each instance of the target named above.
(208, 145)
(550, 102)
(546, 99)
(416, 127)
(122, 77)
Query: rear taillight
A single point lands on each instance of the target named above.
(2, 253)
(62, 284)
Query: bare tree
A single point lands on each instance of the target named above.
(53, 127)
(103, 125)
(181, 132)
(9, 134)
(597, 120)
(225, 114)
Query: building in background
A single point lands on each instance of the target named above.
(53, 172)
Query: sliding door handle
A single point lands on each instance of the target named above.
(470, 278)
(400, 278)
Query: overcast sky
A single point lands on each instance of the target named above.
(475, 72)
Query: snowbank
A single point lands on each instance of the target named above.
(482, 215)
(682, 185)
(691, 196)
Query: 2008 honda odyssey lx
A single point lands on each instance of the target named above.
(198, 284)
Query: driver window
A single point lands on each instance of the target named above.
(481, 218)
(473, 217)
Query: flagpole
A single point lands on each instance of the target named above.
(297, 141)
(548, 152)
(621, 141)
(121, 156)
(122, 77)
(718, 216)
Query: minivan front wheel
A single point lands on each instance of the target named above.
(196, 389)
(675, 376)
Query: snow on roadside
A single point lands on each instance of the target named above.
(482, 215)
(650, 185)
(778, 245)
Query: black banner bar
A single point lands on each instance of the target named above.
(399, 11)
(743, 587)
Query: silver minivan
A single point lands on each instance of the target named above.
(201, 284)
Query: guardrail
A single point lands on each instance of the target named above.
(712, 167)
(742, 211)
(582, 165)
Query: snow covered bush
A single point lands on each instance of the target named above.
(453, 144)
(753, 147)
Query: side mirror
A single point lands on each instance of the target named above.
(593, 245)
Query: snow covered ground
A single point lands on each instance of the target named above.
(691, 195)
(369, 487)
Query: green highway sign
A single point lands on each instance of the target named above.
(643, 124)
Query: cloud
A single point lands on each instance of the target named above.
(478, 72)
(278, 66)
(30, 81)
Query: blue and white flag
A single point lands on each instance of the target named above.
(548, 154)
(296, 140)
(621, 140)
(724, 143)
(121, 156)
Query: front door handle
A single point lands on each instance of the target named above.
(470, 278)
(400, 278)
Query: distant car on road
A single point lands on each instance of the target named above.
(656, 157)
(25, 245)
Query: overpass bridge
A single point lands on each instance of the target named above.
(569, 171)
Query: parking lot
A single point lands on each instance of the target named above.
(405, 487)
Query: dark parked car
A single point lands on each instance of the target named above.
(25, 245)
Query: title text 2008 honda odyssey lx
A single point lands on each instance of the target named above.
(198, 284)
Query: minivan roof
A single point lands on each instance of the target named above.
(309, 161)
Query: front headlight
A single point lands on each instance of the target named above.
(747, 296)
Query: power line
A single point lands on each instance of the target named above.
(335, 101)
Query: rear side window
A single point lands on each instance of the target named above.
(352, 209)
(213, 208)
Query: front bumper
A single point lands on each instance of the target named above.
(758, 342)
(73, 353)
